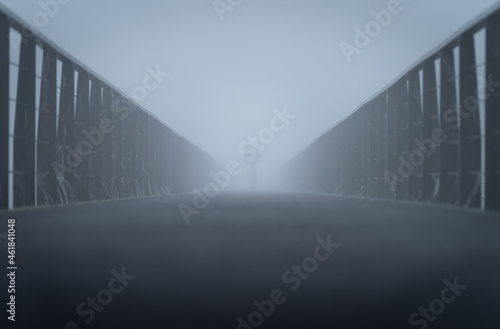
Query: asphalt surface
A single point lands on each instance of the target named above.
(363, 264)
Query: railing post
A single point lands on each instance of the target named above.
(118, 111)
(329, 165)
(392, 135)
(158, 142)
(361, 150)
(449, 185)
(159, 178)
(426, 146)
(131, 135)
(152, 171)
(83, 148)
(348, 157)
(96, 137)
(4, 112)
(174, 164)
(403, 144)
(383, 149)
(366, 149)
(470, 132)
(341, 156)
(107, 145)
(65, 163)
(125, 161)
(351, 151)
(415, 131)
(24, 130)
(492, 157)
(168, 156)
(374, 135)
(336, 156)
(146, 140)
(46, 143)
(167, 148)
(319, 174)
(356, 153)
(139, 152)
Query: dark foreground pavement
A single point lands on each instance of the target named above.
(393, 258)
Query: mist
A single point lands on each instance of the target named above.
(225, 70)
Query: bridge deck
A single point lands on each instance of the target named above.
(392, 259)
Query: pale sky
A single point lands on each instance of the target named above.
(226, 77)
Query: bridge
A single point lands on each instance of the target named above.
(389, 220)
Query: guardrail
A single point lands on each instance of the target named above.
(69, 136)
(432, 136)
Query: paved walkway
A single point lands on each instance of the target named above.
(248, 260)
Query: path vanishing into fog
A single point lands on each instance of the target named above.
(363, 264)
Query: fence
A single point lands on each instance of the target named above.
(432, 136)
(68, 136)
